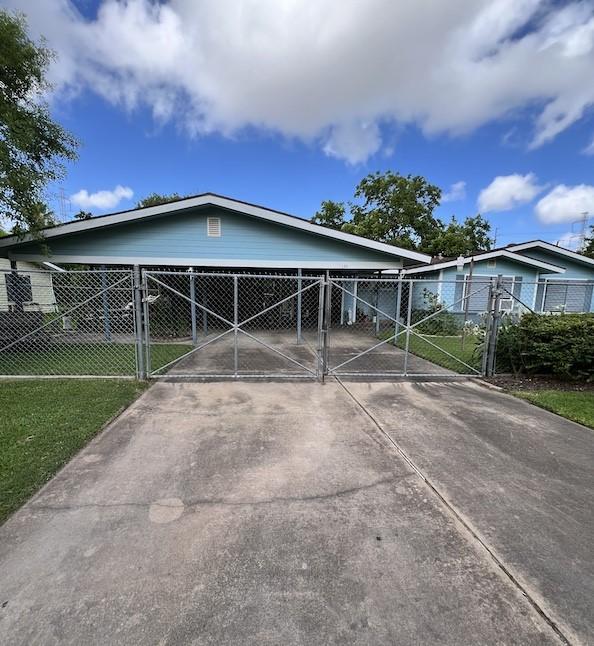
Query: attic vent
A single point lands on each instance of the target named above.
(213, 227)
(492, 263)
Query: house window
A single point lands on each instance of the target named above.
(567, 296)
(476, 293)
(213, 227)
(492, 263)
(18, 288)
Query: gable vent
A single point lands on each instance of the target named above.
(213, 227)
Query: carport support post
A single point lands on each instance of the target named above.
(408, 319)
(397, 316)
(105, 301)
(137, 288)
(299, 306)
(193, 305)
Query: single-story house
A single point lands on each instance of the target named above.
(209, 232)
(536, 275)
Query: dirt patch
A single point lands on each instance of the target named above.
(539, 383)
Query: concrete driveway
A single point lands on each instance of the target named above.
(267, 513)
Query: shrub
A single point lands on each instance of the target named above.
(443, 323)
(560, 345)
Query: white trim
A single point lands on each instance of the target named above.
(440, 285)
(210, 199)
(209, 262)
(547, 246)
(523, 260)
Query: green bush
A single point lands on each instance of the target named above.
(560, 345)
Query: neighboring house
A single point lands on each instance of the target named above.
(571, 291)
(29, 287)
(536, 275)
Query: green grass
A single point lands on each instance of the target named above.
(45, 422)
(452, 344)
(574, 405)
(85, 359)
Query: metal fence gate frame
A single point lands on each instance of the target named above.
(235, 326)
(402, 328)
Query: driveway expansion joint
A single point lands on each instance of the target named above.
(472, 534)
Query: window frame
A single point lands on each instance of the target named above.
(508, 298)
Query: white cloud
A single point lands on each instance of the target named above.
(101, 199)
(325, 74)
(565, 204)
(456, 193)
(506, 192)
(569, 240)
(589, 149)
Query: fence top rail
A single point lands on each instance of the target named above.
(202, 274)
(23, 270)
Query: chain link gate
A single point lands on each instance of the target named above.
(223, 325)
(402, 328)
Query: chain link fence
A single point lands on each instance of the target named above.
(192, 324)
(67, 323)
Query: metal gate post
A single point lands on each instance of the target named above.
(235, 323)
(147, 323)
(491, 336)
(299, 287)
(193, 305)
(326, 324)
(137, 288)
(408, 320)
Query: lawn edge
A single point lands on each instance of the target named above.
(519, 396)
(105, 427)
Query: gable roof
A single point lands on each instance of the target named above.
(486, 255)
(230, 204)
(548, 246)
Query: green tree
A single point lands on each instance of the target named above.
(154, 199)
(331, 215)
(588, 249)
(395, 209)
(457, 238)
(83, 215)
(33, 146)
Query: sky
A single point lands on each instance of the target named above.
(286, 103)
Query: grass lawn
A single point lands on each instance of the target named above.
(452, 344)
(85, 359)
(576, 406)
(45, 422)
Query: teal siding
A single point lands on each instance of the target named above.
(183, 235)
(573, 270)
(449, 292)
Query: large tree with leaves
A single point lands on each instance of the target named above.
(33, 147)
(399, 210)
(460, 238)
(155, 199)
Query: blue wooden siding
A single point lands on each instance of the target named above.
(450, 289)
(573, 270)
(184, 236)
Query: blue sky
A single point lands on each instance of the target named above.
(159, 118)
